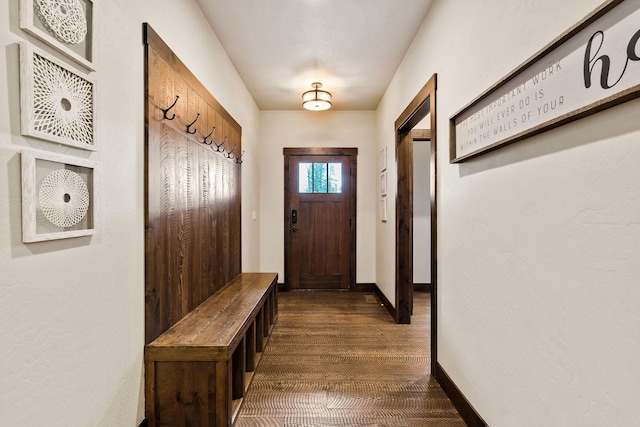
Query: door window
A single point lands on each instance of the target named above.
(320, 178)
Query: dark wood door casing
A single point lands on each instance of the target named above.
(423, 104)
(316, 214)
(404, 228)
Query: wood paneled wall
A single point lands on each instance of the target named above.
(192, 191)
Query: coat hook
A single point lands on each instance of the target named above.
(191, 124)
(220, 147)
(239, 158)
(204, 141)
(229, 154)
(166, 110)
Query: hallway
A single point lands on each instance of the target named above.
(338, 359)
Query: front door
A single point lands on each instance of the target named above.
(320, 218)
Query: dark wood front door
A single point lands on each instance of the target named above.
(319, 218)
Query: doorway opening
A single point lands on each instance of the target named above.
(416, 123)
(320, 218)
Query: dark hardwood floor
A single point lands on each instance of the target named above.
(337, 359)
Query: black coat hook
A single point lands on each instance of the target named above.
(230, 154)
(191, 124)
(239, 158)
(220, 147)
(166, 110)
(204, 141)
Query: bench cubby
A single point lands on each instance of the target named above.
(197, 372)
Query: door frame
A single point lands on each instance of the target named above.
(352, 153)
(421, 105)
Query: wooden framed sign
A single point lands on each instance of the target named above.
(593, 66)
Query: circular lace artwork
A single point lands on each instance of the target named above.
(62, 102)
(64, 198)
(64, 19)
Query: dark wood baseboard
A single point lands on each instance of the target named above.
(144, 423)
(359, 287)
(365, 287)
(385, 302)
(465, 409)
(422, 287)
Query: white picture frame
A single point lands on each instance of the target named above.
(383, 183)
(57, 102)
(67, 26)
(383, 159)
(58, 197)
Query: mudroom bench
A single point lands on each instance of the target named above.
(198, 371)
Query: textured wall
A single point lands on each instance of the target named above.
(72, 311)
(538, 242)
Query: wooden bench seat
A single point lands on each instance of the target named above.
(199, 369)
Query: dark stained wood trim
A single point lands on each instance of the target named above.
(417, 108)
(404, 227)
(422, 287)
(144, 423)
(385, 301)
(424, 103)
(434, 241)
(285, 222)
(364, 287)
(319, 151)
(421, 134)
(465, 409)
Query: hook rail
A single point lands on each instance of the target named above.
(207, 139)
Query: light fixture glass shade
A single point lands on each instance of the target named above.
(316, 99)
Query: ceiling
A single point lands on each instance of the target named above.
(280, 47)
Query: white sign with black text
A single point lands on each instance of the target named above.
(595, 68)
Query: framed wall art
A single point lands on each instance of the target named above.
(57, 102)
(66, 25)
(383, 183)
(383, 209)
(383, 159)
(58, 197)
(591, 67)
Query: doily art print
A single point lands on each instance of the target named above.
(65, 25)
(64, 19)
(64, 198)
(58, 197)
(58, 103)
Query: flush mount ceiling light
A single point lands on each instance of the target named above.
(316, 99)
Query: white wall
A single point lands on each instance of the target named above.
(279, 129)
(538, 242)
(72, 311)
